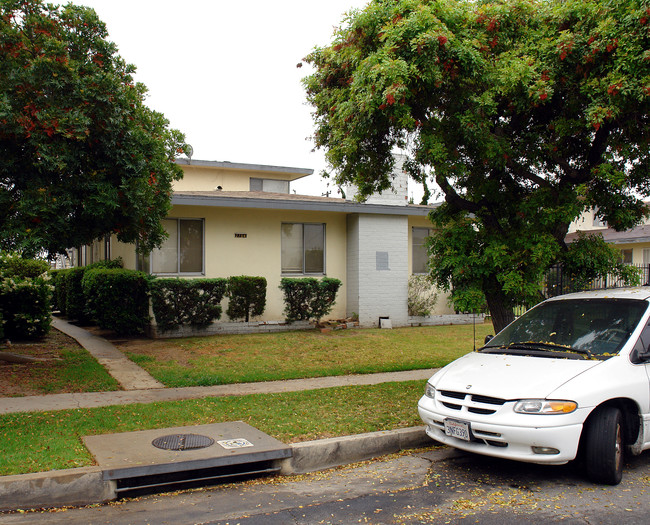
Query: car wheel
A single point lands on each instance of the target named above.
(604, 446)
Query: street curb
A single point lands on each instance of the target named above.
(85, 486)
(309, 456)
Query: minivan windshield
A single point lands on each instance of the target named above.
(573, 328)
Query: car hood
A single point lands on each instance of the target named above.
(509, 377)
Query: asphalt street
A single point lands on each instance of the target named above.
(433, 485)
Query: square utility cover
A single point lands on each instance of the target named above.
(178, 449)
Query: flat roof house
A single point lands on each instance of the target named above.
(233, 219)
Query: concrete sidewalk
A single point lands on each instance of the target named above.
(126, 372)
(97, 399)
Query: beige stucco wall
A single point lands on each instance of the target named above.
(637, 251)
(125, 251)
(198, 178)
(259, 253)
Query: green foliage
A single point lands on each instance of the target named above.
(247, 297)
(526, 112)
(590, 257)
(75, 300)
(82, 156)
(60, 282)
(70, 296)
(25, 297)
(16, 266)
(178, 302)
(117, 299)
(308, 298)
(422, 295)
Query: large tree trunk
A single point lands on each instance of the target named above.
(501, 314)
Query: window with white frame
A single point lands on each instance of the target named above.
(626, 256)
(420, 257)
(303, 248)
(182, 251)
(269, 185)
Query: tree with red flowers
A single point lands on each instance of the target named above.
(525, 113)
(81, 156)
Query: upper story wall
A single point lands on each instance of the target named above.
(200, 175)
(589, 220)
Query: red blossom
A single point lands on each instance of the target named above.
(614, 89)
(543, 96)
(442, 40)
(390, 98)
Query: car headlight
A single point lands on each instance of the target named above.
(545, 406)
(429, 391)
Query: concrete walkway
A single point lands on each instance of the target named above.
(140, 387)
(126, 372)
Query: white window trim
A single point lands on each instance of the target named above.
(413, 272)
(178, 242)
(303, 273)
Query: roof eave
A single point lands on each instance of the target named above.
(297, 173)
(300, 205)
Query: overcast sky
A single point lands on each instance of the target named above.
(224, 72)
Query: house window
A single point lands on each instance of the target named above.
(420, 257)
(303, 248)
(626, 256)
(269, 185)
(182, 251)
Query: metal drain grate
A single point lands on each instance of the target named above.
(182, 442)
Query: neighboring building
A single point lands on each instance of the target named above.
(233, 219)
(634, 243)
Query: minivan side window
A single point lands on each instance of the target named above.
(642, 347)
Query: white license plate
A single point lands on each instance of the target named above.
(457, 429)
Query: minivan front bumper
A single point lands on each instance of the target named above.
(552, 440)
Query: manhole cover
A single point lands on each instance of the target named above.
(182, 442)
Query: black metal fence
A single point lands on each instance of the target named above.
(558, 282)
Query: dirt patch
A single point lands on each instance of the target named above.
(27, 379)
(162, 350)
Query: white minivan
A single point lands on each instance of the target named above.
(569, 377)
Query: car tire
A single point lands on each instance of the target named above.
(604, 446)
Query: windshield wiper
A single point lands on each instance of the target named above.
(544, 347)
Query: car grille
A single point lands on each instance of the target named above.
(474, 403)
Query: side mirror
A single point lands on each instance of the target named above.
(488, 338)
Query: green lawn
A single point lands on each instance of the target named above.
(70, 368)
(35, 442)
(227, 359)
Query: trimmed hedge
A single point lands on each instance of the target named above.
(117, 299)
(70, 297)
(25, 297)
(178, 302)
(308, 298)
(247, 297)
